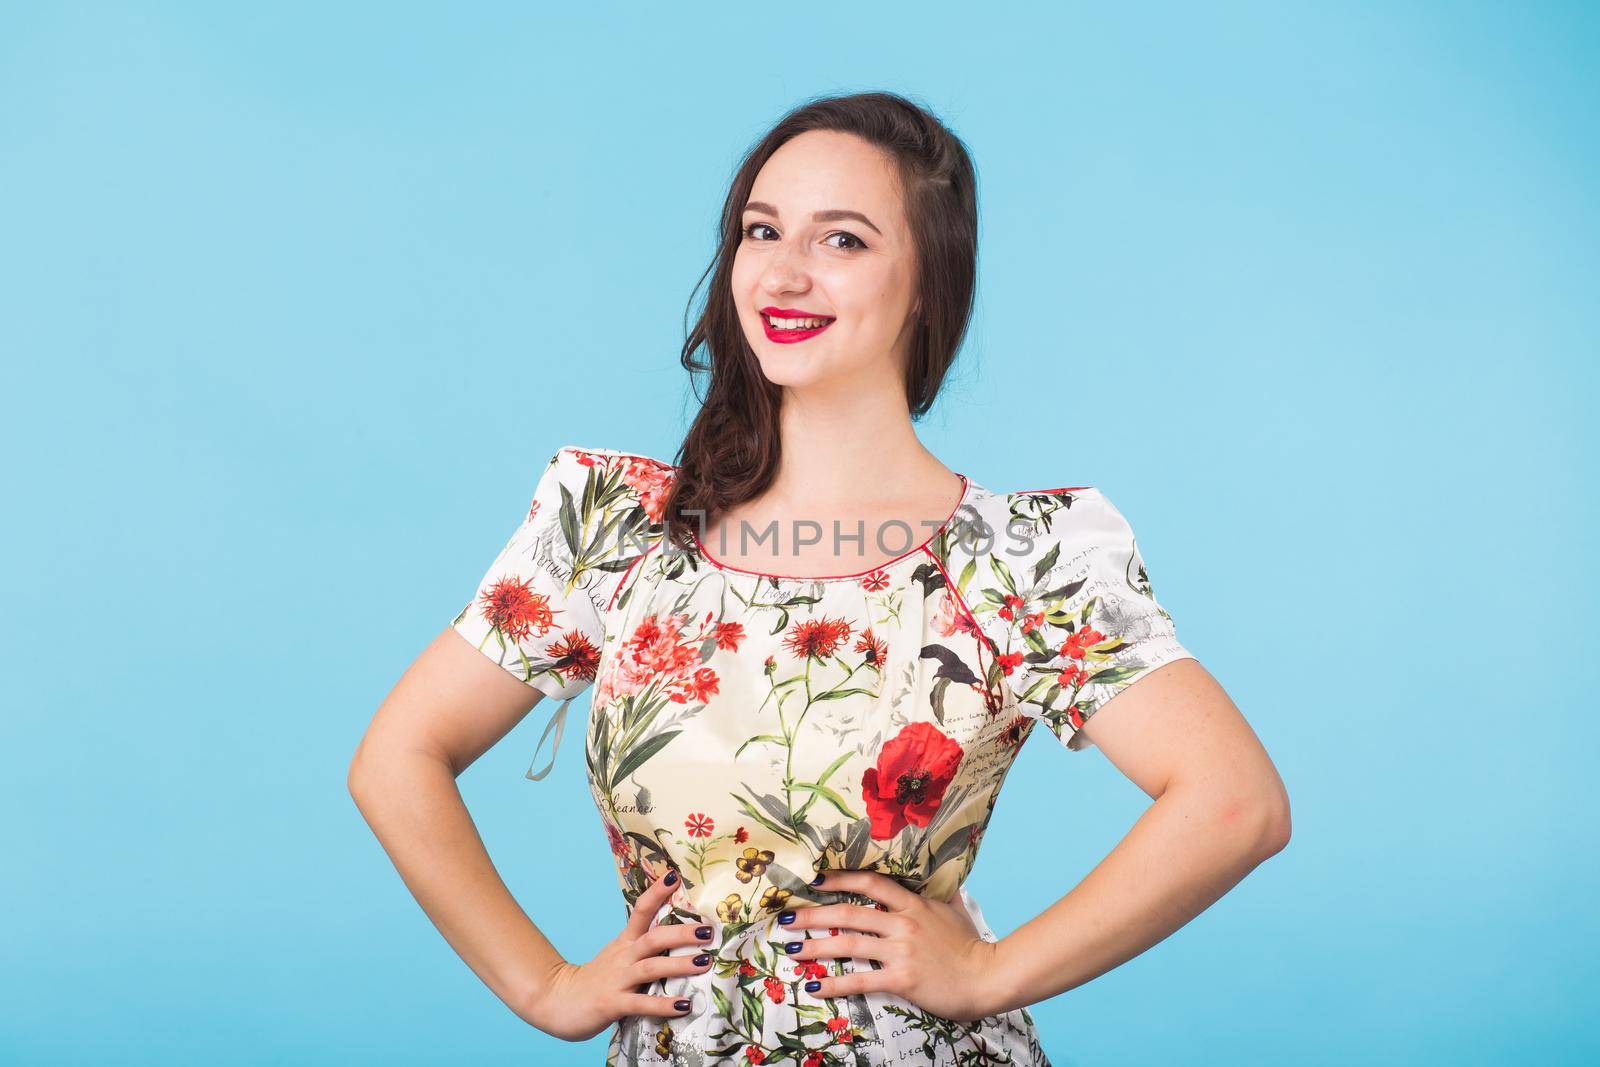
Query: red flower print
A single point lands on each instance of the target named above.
(575, 655)
(1074, 716)
(652, 483)
(809, 969)
(533, 508)
(838, 1023)
(1012, 734)
(1009, 606)
(817, 638)
(1071, 676)
(754, 1054)
(874, 581)
(813, 1059)
(876, 648)
(699, 825)
(775, 989)
(741, 835)
(747, 969)
(1077, 643)
(729, 634)
(909, 780)
(659, 653)
(1032, 622)
(1009, 661)
(513, 608)
(588, 459)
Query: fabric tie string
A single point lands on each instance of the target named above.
(558, 721)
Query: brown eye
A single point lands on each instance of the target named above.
(752, 226)
(859, 243)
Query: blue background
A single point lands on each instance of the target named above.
(298, 299)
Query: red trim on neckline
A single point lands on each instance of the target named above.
(966, 489)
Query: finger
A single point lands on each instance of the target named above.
(660, 1007)
(649, 902)
(861, 946)
(844, 916)
(864, 981)
(653, 967)
(673, 935)
(879, 887)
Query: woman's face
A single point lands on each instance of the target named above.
(825, 236)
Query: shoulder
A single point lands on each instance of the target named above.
(609, 479)
(1021, 544)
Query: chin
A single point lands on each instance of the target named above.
(783, 369)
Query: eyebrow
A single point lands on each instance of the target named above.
(834, 215)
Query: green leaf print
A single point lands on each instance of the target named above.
(826, 794)
(752, 812)
(637, 756)
(1046, 562)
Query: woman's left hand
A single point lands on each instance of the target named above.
(932, 954)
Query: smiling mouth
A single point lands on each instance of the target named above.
(794, 330)
(796, 322)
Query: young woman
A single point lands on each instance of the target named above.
(795, 743)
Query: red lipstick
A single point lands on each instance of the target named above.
(787, 337)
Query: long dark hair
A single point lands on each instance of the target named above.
(731, 451)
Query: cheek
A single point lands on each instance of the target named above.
(745, 275)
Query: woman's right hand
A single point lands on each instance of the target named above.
(580, 1000)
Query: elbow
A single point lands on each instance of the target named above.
(356, 779)
(1272, 824)
(1254, 822)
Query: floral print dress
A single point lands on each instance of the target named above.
(751, 729)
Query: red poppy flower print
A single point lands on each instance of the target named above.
(699, 825)
(909, 779)
(817, 638)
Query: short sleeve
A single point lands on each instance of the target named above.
(532, 613)
(539, 610)
(1082, 619)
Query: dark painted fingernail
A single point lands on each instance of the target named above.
(671, 878)
(813, 985)
(818, 879)
(702, 959)
(786, 917)
(792, 947)
(703, 933)
(681, 1005)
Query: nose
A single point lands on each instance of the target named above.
(786, 271)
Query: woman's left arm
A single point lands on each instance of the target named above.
(1220, 810)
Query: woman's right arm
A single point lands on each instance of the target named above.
(448, 708)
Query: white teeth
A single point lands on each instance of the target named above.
(795, 324)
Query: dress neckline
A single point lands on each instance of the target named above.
(966, 491)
